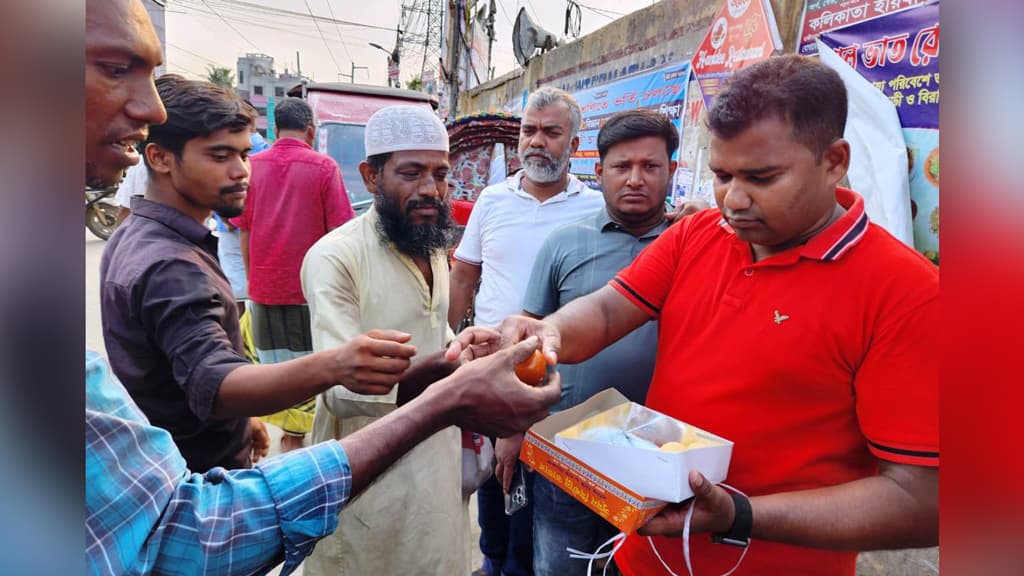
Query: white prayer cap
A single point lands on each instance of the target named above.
(405, 127)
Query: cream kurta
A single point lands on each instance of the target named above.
(412, 519)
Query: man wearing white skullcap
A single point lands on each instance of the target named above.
(388, 269)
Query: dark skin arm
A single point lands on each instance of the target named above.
(686, 208)
(898, 508)
(462, 285)
(579, 329)
(483, 395)
(474, 342)
(372, 363)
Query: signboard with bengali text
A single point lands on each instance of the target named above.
(663, 91)
(821, 16)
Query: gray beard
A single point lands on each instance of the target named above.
(547, 173)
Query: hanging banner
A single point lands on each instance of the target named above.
(663, 91)
(743, 32)
(899, 55)
(821, 16)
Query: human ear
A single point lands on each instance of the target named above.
(159, 158)
(369, 177)
(837, 161)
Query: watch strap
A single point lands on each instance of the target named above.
(743, 520)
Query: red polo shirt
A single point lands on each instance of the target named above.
(815, 362)
(295, 197)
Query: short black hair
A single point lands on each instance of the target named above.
(196, 108)
(377, 161)
(633, 124)
(293, 114)
(796, 89)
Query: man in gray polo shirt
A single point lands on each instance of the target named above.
(635, 172)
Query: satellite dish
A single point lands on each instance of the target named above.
(528, 37)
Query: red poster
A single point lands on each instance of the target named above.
(743, 32)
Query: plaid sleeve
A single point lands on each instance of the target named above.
(242, 521)
(146, 514)
(309, 487)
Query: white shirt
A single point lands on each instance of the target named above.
(133, 184)
(504, 234)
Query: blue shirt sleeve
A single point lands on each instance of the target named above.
(146, 513)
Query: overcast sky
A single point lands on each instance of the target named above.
(201, 33)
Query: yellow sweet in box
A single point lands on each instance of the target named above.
(690, 441)
(673, 447)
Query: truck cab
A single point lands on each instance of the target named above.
(340, 113)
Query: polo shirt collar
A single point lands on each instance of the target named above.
(604, 223)
(835, 241)
(176, 220)
(573, 187)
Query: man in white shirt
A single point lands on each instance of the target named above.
(509, 222)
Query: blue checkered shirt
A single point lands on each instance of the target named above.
(147, 514)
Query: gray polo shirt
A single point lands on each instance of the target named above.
(575, 260)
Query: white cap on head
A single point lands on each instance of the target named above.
(404, 127)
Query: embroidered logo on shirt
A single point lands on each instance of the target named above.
(780, 318)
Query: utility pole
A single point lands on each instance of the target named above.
(455, 49)
(490, 37)
(298, 64)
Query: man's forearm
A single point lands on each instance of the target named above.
(868, 514)
(267, 388)
(463, 280)
(457, 305)
(372, 449)
(422, 374)
(589, 324)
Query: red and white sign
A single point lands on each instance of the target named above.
(742, 33)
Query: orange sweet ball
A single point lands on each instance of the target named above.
(533, 369)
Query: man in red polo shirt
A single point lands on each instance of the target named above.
(296, 196)
(791, 325)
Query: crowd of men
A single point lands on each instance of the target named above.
(783, 320)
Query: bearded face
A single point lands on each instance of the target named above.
(414, 236)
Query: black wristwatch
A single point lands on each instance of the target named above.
(739, 533)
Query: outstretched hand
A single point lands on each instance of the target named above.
(516, 329)
(714, 511)
(491, 400)
(472, 343)
(372, 363)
